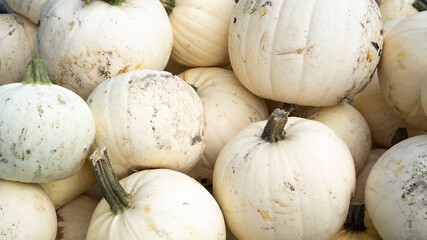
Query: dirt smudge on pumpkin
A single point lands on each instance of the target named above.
(264, 215)
(307, 51)
(196, 139)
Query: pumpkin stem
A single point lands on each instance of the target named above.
(36, 73)
(420, 5)
(168, 5)
(355, 218)
(194, 87)
(112, 2)
(274, 129)
(291, 108)
(107, 181)
(399, 135)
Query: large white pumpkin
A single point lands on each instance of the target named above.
(46, 130)
(293, 184)
(149, 119)
(85, 44)
(314, 53)
(396, 191)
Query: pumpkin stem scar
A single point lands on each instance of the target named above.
(168, 5)
(36, 73)
(355, 218)
(420, 5)
(118, 199)
(274, 129)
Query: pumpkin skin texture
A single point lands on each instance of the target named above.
(85, 44)
(200, 32)
(17, 46)
(229, 107)
(26, 212)
(304, 179)
(350, 125)
(149, 119)
(395, 191)
(28, 8)
(402, 69)
(46, 131)
(392, 9)
(165, 205)
(292, 51)
(74, 218)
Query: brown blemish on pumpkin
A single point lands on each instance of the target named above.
(296, 51)
(71, 26)
(147, 209)
(264, 215)
(124, 70)
(368, 56)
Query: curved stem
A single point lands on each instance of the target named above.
(107, 181)
(355, 218)
(420, 5)
(168, 5)
(274, 130)
(36, 73)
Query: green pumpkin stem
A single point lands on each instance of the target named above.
(194, 87)
(420, 5)
(107, 181)
(36, 73)
(355, 218)
(168, 5)
(111, 2)
(274, 130)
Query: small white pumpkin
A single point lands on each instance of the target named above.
(74, 218)
(229, 107)
(149, 119)
(153, 204)
(395, 193)
(285, 178)
(85, 44)
(46, 131)
(26, 212)
(28, 8)
(17, 46)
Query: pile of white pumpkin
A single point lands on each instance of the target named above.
(266, 119)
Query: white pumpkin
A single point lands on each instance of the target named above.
(149, 119)
(153, 204)
(74, 218)
(229, 108)
(17, 46)
(46, 131)
(395, 193)
(294, 182)
(28, 8)
(312, 53)
(402, 69)
(350, 125)
(26, 212)
(200, 32)
(392, 9)
(85, 44)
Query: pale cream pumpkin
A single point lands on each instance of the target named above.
(153, 204)
(85, 44)
(284, 179)
(402, 69)
(395, 193)
(392, 9)
(312, 53)
(74, 218)
(46, 130)
(200, 32)
(17, 46)
(28, 8)
(229, 107)
(347, 123)
(149, 119)
(26, 212)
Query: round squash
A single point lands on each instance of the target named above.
(153, 204)
(26, 212)
(395, 193)
(46, 131)
(229, 107)
(312, 53)
(285, 178)
(28, 8)
(85, 44)
(149, 119)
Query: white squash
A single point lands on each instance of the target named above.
(229, 107)
(46, 131)
(28, 8)
(294, 180)
(395, 193)
(350, 125)
(200, 32)
(74, 218)
(402, 69)
(312, 53)
(26, 212)
(149, 119)
(392, 9)
(85, 44)
(17, 46)
(153, 204)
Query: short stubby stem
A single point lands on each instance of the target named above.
(36, 73)
(355, 218)
(274, 130)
